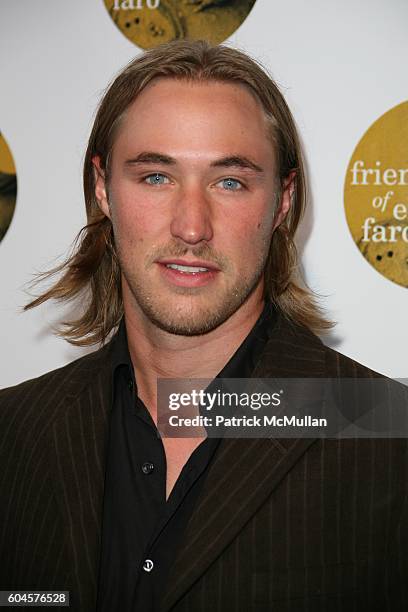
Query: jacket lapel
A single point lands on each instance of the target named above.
(259, 465)
(79, 443)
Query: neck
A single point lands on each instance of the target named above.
(158, 354)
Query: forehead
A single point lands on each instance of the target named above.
(213, 117)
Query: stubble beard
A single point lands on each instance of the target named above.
(201, 309)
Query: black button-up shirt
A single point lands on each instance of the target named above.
(141, 531)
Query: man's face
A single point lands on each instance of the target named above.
(192, 199)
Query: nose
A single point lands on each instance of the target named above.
(191, 218)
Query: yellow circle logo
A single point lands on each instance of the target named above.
(8, 187)
(148, 23)
(376, 195)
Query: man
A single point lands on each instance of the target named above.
(194, 187)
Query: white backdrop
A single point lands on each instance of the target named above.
(341, 65)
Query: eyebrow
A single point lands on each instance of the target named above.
(148, 157)
(236, 161)
(231, 161)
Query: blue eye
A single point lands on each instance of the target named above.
(156, 179)
(231, 184)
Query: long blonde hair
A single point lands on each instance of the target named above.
(92, 270)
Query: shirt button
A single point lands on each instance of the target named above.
(148, 565)
(147, 467)
(130, 384)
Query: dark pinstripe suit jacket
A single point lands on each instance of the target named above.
(281, 525)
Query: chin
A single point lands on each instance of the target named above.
(184, 327)
(183, 317)
(188, 321)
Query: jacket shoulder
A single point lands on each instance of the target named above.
(65, 381)
(294, 350)
(339, 365)
(336, 364)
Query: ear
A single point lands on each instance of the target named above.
(100, 186)
(286, 199)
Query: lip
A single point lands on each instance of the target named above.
(196, 263)
(184, 279)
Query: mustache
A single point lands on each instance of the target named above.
(175, 249)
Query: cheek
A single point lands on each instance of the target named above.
(249, 230)
(131, 222)
(248, 246)
(260, 227)
(261, 238)
(252, 215)
(127, 212)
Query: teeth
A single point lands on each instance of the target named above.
(190, 269)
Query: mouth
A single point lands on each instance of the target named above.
(186, 269)
(188, 273)
(189, 267)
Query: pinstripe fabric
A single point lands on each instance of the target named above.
(282, 525)
(51, 479)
